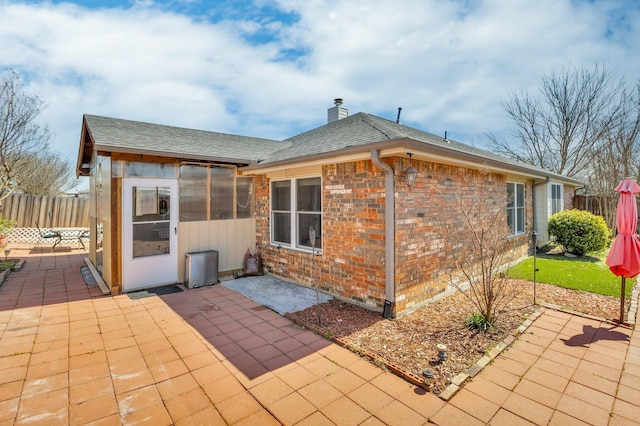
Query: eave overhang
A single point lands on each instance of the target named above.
(419, 150)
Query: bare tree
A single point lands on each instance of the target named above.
(20, 136)
(54, 176)
(562, 128)
(619, 156)
(483, 247)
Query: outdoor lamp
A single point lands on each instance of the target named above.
(410, 173)
(6, 253)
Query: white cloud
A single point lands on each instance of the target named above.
(449, 65)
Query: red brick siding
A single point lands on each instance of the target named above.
(354, 232)
(352, 264)
(352, 261)
(428, 224)
(568, 193)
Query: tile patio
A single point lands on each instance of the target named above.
(70, 356)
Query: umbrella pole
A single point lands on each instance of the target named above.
(622, 301)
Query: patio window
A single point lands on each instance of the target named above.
(193, 193)
(515, 208)
(556, 198)
(244, 197)
(296, 205)
(214, 193)
(221, 193)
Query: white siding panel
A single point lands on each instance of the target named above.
(107, 248)
(541, 194)
(229, 237)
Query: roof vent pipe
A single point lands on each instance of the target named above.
(338, 112)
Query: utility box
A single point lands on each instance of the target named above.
(201, 268)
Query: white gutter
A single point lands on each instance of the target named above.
(389, 226)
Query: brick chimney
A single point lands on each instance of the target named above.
(338, 112)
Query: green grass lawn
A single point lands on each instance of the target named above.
(7, 264)
(588, 273)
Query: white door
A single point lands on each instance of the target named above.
(149, 233)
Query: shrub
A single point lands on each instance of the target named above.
(5, 226)
(579, 231)
(477, 321)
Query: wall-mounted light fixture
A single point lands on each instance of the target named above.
(411, 173)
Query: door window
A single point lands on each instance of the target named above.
(150, 219)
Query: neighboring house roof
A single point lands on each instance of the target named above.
(357, 133)
(117, 135)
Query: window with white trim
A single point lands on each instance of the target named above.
(296, 207)
(556, 198)
(515, 208)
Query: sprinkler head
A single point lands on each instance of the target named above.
(428, 378)
(442, 352)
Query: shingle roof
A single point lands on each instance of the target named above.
(133, 136)
(358, 130)
(363, 129)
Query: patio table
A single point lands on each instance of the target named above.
(70, 234)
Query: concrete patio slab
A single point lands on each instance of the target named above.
(276, 294)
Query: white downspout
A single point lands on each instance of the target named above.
(389, 226)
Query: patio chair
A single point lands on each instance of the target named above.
(45, 235)
(84, 235)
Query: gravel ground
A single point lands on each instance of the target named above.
(410, 340)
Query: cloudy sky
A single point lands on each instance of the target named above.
(271, 68)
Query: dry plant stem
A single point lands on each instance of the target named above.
(485, 247)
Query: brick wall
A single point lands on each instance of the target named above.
(354, 245)
(430, 231)
(425, 219)
(353, 259)
(352, 264)
(568, 193)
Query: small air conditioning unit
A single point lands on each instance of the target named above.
(201, 268)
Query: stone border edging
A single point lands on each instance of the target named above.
(456, 382)
(592, 317)
(395, 369)
(633, 308)
(476, 368)
(5, 274)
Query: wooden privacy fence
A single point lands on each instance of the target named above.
(48, 211)
(596, 203)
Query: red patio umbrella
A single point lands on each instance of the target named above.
(624, 256)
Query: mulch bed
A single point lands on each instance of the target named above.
(410, 340)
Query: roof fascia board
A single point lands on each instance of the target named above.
(351, 153)
(476, 165)
(417, 148)
(84, 134)
(399, 151)
(305, 163)
(135, 151)
(476, 160)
